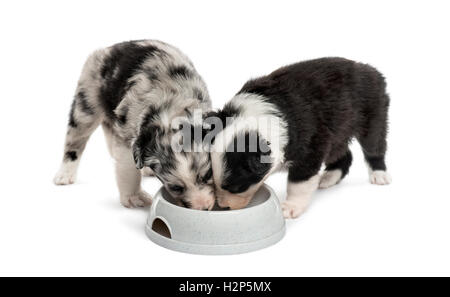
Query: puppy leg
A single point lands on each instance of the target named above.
(128, 177)
(377, 170)
(374, 156)
(303, 180)
(336, 171)
(373, 143)
(299, 195)
(84, 119)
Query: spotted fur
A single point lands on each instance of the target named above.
(137, 90)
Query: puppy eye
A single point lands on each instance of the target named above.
(176, 189)
(207, 176)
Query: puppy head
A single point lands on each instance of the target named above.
(249, 137)
(186, 174)
(189, 180)
(241, 170)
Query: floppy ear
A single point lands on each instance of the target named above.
(256, 164)
(142, 146)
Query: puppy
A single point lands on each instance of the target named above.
(138, 91)
(300, 116)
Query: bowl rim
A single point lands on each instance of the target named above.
(272, 195)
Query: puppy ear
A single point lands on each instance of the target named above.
(142, 146)
(256, 163)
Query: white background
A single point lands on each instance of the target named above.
(352, 229)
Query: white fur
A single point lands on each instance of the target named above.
(147, 171)
(299, 197)
(257, 115)
(140, 199)
(199, 196)
(67, 173)
(129, 179)
(218, 167)
(178, 94)
(379, 177)
(330, 178)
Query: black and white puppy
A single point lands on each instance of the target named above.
(301, 116)
(138, 91)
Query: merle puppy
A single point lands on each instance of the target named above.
(306, 115)
(137, 91)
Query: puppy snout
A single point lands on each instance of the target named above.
(206, 206)
(232, 201)
(222, 203)
(203, 203)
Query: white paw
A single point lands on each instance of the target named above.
(139, 200)
(380, 177)
(146, 171)
(293, 209)
(330, 178)
(64, 177)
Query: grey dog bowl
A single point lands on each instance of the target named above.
(217, 232)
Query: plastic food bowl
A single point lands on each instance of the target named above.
(217, 232)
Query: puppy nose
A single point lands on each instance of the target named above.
(220, 203)
(205, 205)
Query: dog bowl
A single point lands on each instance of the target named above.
(217, 232)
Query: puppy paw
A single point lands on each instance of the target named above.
(147, 171)
(330, 178)
(64, 177)
(380, 177)
(293, 209)
(139, 200)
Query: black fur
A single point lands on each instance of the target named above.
(155, 78)
(72, 122)
(229, 111)
(146, 137)
(325, 103)
(179, 71)
(198, 94)
(245, 163)
(85, 107)
(152, 75)
(226, 114)
(342, 164)
(122, 62)
(71, 155)
(205, 178)
(376, 163)
(122, 116)
(146, 144)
